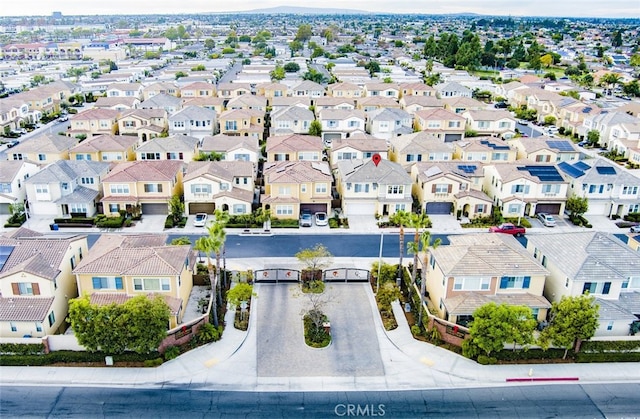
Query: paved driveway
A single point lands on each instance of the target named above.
(281, 350)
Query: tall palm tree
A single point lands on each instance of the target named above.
(217, 236)
(418, 222)
(426, 242)
(221, 220)
(402, 219)
(203, 244)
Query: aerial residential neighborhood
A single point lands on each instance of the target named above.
(176, 189)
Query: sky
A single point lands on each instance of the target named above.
(567, 8)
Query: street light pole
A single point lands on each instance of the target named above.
(523, 204)
(379, 261)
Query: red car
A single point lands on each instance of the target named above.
(508, 228)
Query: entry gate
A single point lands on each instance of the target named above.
(345, 275)
(277, 275)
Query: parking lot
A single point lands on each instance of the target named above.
(282, 351)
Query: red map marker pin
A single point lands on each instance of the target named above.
(376, 159)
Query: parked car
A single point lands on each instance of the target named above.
(508, 228)
(635, 229)
(306, 219)
(551, 129)
(12, 143)
(200, 220)
(583, 143)
(523, 122)
(547, 219)
(63, 118)
(321, 219)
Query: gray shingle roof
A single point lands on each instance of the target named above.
(25, 309)
(366, 171)
(68, 171)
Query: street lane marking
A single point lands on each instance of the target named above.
(427, 361)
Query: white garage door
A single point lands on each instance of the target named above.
(360, 209)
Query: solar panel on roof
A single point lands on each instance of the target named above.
(5, 252)
(581, 165)
(467, 168)
(494, 145)
(560, 145)
(571, 170)
(606, 170)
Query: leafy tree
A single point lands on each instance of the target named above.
(205, 244)
(180, 74)
(400, 218)
(209, 44)
(314, 75)
(176, 208)
(494, 325)
(549, 120)
(180, 241)
(277, 73)
(469, 53)
(295, 46)
(577, 206)
(426, 242)
(171, 34)
(632, 88)
(388, 293)
(616, 40)
(593, 136)
(373, 67)
(417, 222)
(239, 293)
(199, 67)
(291, 67)
(304, 33)
(573, 319)
(315, 258)
(611, 80)
(182, 32)
(546, 60)
(315, 128)
(139, 324)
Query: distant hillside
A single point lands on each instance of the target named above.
(294, 10)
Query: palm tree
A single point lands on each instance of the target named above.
(418, 222)
(204, 244)
(221, 220)
(402, 219)
(612, 80)
(425, 241)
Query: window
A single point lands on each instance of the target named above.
(520, 189)
(303, 188)
(25, 288)
(231, 125)
(281, 157)
(107, 282)
(629, 190)
(239, 209)
(42, 157)
(5, 187)
(174, 156)
(87, 180)
(225, 186)
(321, 188)
(284, 190)
(178, 124)
(483, 124)
(150, 156)
(360, 187)
(480, 208)
(499, 156)
(151, 284)
(442, 188)
(119, 189)
(241, 157)
(471, 284)
(596, 288)
(114, 207)
(550, 189)
(400, 207)
(610, 325)
(631, 282)
(414, 157)
(38, 326)
(503, 124)
(14, 328)
(395, 190)
(42, 192)
(515, 282)
(308, 156)
(514, 208)
(347, 156)
(73, 262)
(454, 124)
(52, 319)
(332, 123)
(153, 187)
(354, 124)
(200, 189)
(284, 209)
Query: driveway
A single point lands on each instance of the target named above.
(281, 350)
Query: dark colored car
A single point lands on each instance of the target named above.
(12, 143)
(508, 228)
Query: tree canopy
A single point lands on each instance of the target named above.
(316, 257)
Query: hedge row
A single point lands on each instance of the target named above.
(551, 353)
(77, 220)
(610, 346)
(21, 349)
(72, 357)
(608, 357)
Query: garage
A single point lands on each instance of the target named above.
(314, 208)
(198, 207)
(155, 209)
(359, 208)
(548, 208)
(439, 208)
(449, 138)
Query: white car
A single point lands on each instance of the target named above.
(200, 220)
(321, 219)
(547, 219)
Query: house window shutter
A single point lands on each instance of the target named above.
(504, 282)
(119, 283)
(208, 188)
(96, 283)
(193, 188)
(36, 288)
(449, 188)
(15, 288)
(433, 188)
(526, 282)
(168, 156)
(475, 209)
(606, 288)
(526, 189)
(513, 189)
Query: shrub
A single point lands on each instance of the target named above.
(608, 357)
(110, 222)
(156, 362)
(415, 330)
(171, 352)
(334, 223)
(208, 333)
(76, 220)
(168, 223)
(21, 349)
(486, 360)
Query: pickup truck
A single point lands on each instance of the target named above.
(508, 228)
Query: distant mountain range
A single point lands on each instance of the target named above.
(295, 10)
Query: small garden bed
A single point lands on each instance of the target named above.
(316, 332)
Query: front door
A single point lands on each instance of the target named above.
(65, 209)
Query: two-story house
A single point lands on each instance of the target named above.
(36, 282)
(344, 90)
(369, 189)
(545, 150)
(294, 147)
(160, 88)
(242, 122)
(522, 188)
(476, 269)
(340, 123)
(13, 174)
(408, 149)
(413, 104)
(391, 90)
(193, 121)
(248, 102)
(148, 183)
(387, 123)
(491, 122)
(486, 150)
(120, 267)
(175, 147)
(371, 103)
(169, 103)
(610, 189)
(461, 104)
(66, 187)
(198, 89)
(226, 185)
(125, 90)
(43, 149)
(291, 120)
(107, 147)
(606, 122)
(357, 147)
(143, 123)
(232, 148)
(92, 122)
(416, 89)
(444, 124)
(291, 186)
(452, 89)
(450, 188)
(116, 103)
(330, 102)
(271, 91)
(308, 88)
(596, 263)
